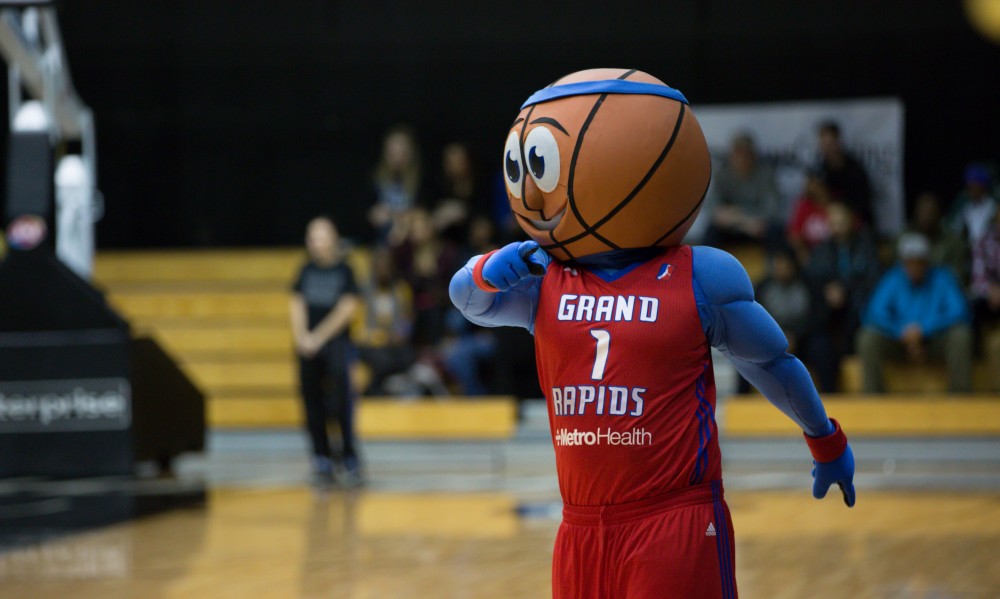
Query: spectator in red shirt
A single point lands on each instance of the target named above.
(809, 225)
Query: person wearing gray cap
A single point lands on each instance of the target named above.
(917, 312)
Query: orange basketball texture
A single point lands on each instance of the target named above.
(633, 169)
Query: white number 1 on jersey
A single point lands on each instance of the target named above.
(601, 359)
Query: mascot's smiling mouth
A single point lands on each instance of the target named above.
(548, 225)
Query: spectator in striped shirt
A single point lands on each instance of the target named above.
(986, 296)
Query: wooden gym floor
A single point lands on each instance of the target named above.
(477, 520)
(294, 543)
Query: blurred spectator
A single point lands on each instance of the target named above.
(427, 265)
(465, 231)
(322, 305)
(397, 180)
(789, 298)
(482, 237)
(459, 200)
(809, 224)
(743, 199)
(986, 296)
(974, 208)
(947, 247)
(842, 271)
(786, 296)
(505, 227)
(466, 350)
(917, 312)
(843, 174)
(387, 321)
(469, 349)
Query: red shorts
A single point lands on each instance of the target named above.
(675, 546)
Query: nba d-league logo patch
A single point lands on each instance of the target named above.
(666, 271)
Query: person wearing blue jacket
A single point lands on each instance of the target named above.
(916, 313)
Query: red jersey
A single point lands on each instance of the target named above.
(627, 374)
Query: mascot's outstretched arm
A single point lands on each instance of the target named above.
(501, 288)
(743, 330)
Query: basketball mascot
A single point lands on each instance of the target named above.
(606, 170)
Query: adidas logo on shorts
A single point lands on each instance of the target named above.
(710, 531)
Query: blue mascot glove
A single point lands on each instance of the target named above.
(504, 268)
(833, 463)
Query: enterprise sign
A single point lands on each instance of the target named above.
(68, 405)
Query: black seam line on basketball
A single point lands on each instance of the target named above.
(635, 191)
(569, 194)
(685, 219)
(570, 198)
(572, 170)
(552, 236)
(524, 166)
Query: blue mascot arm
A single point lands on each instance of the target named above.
(514, 271)
(743, 330)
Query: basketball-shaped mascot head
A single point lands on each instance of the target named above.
(606, 159)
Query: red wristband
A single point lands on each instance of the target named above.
(477, 273)
(828, 447)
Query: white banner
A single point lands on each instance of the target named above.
(786, 138)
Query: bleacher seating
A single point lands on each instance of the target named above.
(897, 415)
(911, 378)
(224, 315)
(899, 377)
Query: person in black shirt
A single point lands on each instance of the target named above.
(842, 271)
(323, 302)
(843, 173)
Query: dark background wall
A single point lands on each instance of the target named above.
(228, 122)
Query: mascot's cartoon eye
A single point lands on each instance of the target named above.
(513, 168)
(543, 158)
(513, 172)
(536, 163)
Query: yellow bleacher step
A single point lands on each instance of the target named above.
(194, 304)
(229, 340)
(882, 415)
(474, 418)
(111, 268)
(911, 378)
(453, 418)
(254, 412)
(279, 372)
(277, 265)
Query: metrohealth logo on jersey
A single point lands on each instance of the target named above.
(637, 436)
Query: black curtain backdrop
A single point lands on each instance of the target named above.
(229, 122)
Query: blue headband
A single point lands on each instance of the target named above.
(608, 86)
